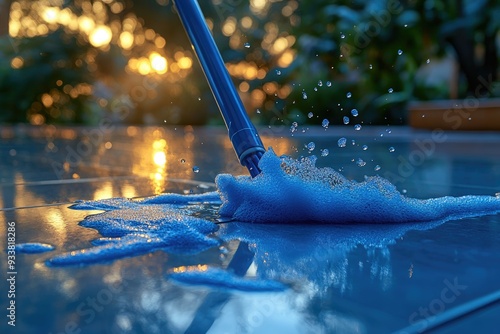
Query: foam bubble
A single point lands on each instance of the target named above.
(290, 191)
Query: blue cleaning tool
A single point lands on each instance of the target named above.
(242, 133)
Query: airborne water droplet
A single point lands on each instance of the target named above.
(278, 72)
(390, 90)
(342, 142)
(357, 127)
(355, 112)
(325, 123)
(400, 52)
(346, 120)
(392, 149)
(365, 147)
(428, 61)
(311, 146)
(360, 162)
(349, 95)
(320, 83)
(310, 115)
(304, 95)
(325, 152)
(328, 84)
(247, 45)
(183, 161)
(377, 168)
(258, 111)
(196, 169)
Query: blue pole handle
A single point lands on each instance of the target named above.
(242, 133)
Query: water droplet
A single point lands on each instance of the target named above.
(311, 146)
(349, 95)
(310, 115)
(353, 142)
(370, 67)
(315, 89)
(346, 120)
(258, 111)
(342, 36)
(360, 162)
(392, 149)
(342, 142)
(357, 127)
(377, 168)
(428, 61)
(390, 90)
(320, 83)
(325, 123)
(278, 72)
(183, 161)
(325, 152)
(388, 130)
(295, 124)
(365, 147)
(400, 52)
(497, 195)
(199, 99)
(247, 45)
(328, 84)
(304, 95)
(355, 112)
(196, 169)
(404, 191)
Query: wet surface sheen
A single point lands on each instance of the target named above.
(348, 279)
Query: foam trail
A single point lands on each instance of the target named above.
(33, 248)
(290, 191)
(134, 228)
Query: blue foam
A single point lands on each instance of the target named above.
(135, 228)
(33, 248)
(290, 191)
(220, 279)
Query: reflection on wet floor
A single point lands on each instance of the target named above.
(339, 281)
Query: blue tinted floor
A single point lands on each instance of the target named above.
(406, 278)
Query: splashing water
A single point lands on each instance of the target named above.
(325, 123)
(342, 142)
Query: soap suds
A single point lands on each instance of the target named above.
(289, 191)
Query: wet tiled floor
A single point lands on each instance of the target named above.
(418, 277)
